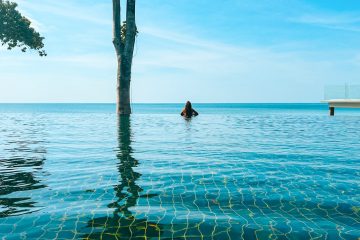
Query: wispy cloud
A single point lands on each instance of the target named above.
(347, 22)
(193, 47)
(185, 38)
(67, 9)
(94, 61)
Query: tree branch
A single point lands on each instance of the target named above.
(117, 26)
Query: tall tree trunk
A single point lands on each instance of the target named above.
(124, 52)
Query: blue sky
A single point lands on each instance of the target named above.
(201, 50)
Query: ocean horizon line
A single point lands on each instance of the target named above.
(159, 103)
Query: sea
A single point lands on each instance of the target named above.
(236, 171)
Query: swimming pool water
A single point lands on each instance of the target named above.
(237, 171)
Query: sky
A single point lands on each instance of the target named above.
(205, 51)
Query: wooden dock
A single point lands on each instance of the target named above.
(341, 103)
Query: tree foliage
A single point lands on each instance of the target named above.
(123, 32)
(15, 30)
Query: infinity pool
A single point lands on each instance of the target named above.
(237, 171)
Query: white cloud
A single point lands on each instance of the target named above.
(67, 9)
(98, 61)
(347, 22)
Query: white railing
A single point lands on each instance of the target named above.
(346, 91)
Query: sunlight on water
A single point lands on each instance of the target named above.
(233, 172)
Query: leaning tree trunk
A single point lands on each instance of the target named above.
(124, 47)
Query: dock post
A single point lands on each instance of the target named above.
(332, 111)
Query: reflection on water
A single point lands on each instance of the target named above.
(22, 158)
(123, 223)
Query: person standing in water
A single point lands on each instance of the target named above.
(188, 111)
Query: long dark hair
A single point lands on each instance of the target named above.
(188, 109)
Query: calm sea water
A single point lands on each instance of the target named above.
(237, 171)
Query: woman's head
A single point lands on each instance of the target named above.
(188, 109)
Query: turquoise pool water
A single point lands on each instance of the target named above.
(237, 171)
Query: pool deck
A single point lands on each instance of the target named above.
(342, 103)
